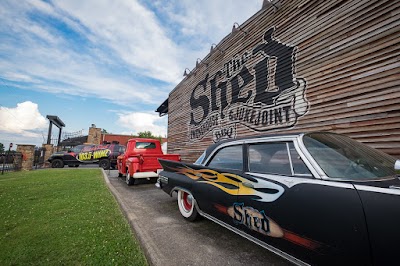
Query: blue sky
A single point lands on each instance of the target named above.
(105, 62)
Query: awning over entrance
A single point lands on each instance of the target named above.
(163, 108)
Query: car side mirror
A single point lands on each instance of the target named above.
(397, 167)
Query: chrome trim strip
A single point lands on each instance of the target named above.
(175, 189)
(392, 191)
(250, 140)
(162, 179)
(290, 158)
(293, 181)
(254, 240)
(309, 160)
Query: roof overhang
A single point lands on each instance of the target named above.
(163, 108)
(56, 121)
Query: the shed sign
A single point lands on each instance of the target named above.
(257, 88)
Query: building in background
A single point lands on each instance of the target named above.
(96, 136)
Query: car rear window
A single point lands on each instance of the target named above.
(145, 145)
(344, 158)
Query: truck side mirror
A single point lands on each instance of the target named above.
(397, 167)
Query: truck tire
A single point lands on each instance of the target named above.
(129, 180)
(105, 164)
(57, 163)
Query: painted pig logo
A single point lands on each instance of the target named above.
(257, 89)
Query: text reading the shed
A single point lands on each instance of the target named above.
(257, 89)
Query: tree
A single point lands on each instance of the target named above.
(104, 131)
(1, 148)
(148, 135)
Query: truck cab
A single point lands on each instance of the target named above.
(140, 159)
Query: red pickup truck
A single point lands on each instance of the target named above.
(140, 159)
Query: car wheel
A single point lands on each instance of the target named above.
(76, 165)
(57, 163)
(105, 164)
(186, 204)
(129, 180)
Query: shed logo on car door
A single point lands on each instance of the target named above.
(254, 220)
(257, 89)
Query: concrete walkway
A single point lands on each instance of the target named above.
(168, 239)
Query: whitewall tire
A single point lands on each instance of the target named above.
(186, 204)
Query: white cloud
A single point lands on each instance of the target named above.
(130, 52)
(140, 122)
(130, 30)
(207, 20)
(25, 120)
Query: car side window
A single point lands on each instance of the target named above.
(271, 158)
(77, 149)
(87, 148)
(299, 167)
(228, 158)
(276, 158)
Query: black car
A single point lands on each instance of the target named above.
(105, 155)
(317, 198)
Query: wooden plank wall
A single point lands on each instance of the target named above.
(347, 51)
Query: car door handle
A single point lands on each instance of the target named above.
(248, 184)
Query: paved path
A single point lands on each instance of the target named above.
(168, 239)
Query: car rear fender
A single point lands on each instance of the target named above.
(133, 164)
(177, 188)
(381, 201)
(53, 158)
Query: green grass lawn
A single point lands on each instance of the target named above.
(63, 217)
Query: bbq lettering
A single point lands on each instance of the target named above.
(257, 89)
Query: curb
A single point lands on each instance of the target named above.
(134, 227)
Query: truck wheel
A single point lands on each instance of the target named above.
(129, 180)
(119, 175)
(187, 208)
(105, 164)
(57, 163)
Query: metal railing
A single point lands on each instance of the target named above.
(10, 161)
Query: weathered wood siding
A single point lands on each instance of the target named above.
(346, 52)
